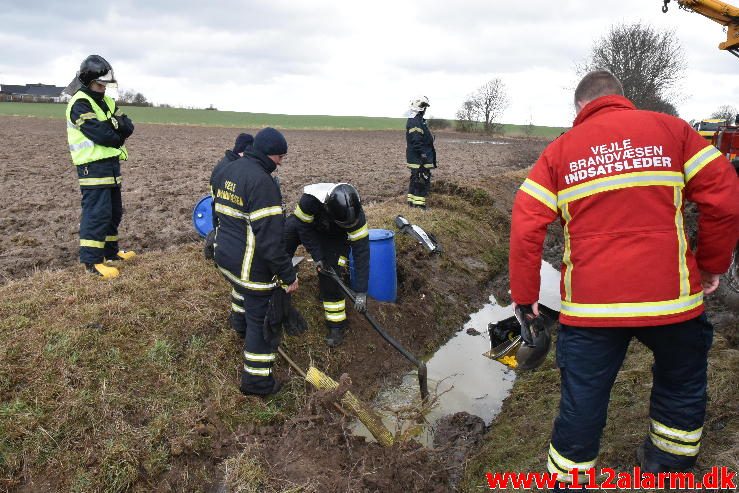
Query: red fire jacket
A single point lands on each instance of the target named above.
(619, 180)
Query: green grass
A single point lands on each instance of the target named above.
(177, 116)
(219, 118)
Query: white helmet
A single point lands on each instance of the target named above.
(419, 103)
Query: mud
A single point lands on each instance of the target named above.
(168, 173)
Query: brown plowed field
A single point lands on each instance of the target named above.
(168, 173)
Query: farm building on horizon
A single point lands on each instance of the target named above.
(32, 93)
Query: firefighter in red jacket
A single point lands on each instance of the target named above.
(618, 181)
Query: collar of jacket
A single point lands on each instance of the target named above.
(602, 105)
(231, 155)
(97, 96)
(264, 160)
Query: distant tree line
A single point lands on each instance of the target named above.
(132, 98)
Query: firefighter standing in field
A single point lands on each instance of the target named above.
(329, 220)
(618, 181)
(96, 132)
(243, 143)
(420, 153)
(250, 248)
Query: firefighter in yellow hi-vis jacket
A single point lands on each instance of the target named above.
(96, 132)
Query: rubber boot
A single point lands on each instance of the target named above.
(123, 255)
(335, 336)
(102, 270)
(275, 389)
(647, 463)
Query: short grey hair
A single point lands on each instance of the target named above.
(596, 84)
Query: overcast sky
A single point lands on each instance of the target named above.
(347, 57)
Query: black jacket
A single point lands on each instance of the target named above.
(101, 133)
(227, 158)
(419, 151)
(316, 223)
(250, 247)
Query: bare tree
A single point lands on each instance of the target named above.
(649, 64)
(467, 116)
(133, 98)
(725, 112)
(490, 100)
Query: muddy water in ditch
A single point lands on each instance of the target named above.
(459, 375)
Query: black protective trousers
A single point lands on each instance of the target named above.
(418, 187)
(102, 211)
(589, 360)
(335, 251)
(259, 355)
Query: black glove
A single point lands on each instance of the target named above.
(424, 174)
(525, 316)
(319, 265)
(209, 250)
(125, 126)
(360, 302)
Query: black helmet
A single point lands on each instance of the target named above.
(531, 356)
(96, 68)
(343, 205)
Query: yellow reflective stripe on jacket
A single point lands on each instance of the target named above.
(358, 234)
(82, 145)
(699, 161)
(415, 129)
(249, 249)
(260, 358)
(108, 180)
(413, 165)
(230, 211)
(303, 216)
(83, 117)
(237, 308)
(626, 180)
(236, 295)
(260, 372)
(682, 244)
(255, 286)
(111, 238)
(540, 193)
(626, 310)
(342, 261)
(267, 211)
(567, 256)
(92, 244)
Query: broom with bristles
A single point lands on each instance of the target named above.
(366, 415)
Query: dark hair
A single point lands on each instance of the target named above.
(596, 84)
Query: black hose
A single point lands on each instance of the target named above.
(422, 372)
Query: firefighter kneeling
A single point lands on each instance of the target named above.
(327, 221)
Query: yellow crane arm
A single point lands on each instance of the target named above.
(718, 11)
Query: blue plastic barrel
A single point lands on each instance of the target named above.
(202, 216)
(383, 278)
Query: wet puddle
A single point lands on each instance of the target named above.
(458, 373)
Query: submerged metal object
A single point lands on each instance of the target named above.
(426, 239)
(509, 347)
